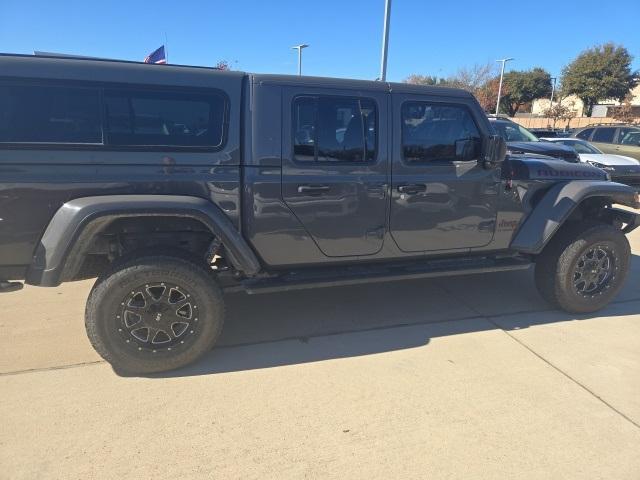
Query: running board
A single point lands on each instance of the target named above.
(319, 278)
(6, 287)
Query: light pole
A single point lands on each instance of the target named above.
(299, 48)
(385, 41)
(553, 90)
(504, 60)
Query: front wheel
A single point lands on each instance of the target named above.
(583, 267)
(154, 314)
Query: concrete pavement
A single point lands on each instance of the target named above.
(468, 377)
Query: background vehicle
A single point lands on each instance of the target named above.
(617, 139)
(622, 169)
(186, 182)
(521, 140)
(545, 133)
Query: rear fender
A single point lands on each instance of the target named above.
(76, 223)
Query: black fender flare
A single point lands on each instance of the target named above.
(556, 206)
(80, 219)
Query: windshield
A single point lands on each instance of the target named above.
(512, 132)
(581, 147)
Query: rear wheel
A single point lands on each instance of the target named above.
(584, 267)
(154, 314)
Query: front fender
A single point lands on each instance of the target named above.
(557, 205)
(77, 221)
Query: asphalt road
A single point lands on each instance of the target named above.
(470, 377)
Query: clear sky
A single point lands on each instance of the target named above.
(428, 37)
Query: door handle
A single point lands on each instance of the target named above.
(412, 189)
(313, 189)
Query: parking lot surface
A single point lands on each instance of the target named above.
(470, 377)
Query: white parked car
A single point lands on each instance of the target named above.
(621, 168)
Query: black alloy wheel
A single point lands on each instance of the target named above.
(154, 314)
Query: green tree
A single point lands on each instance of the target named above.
(599, 73)
(416, 79)
(523, 87)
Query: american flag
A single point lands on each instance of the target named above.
(157, 56)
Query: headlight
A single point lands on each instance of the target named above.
(606, 168)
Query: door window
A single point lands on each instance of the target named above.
(334, 129)
(433, 132)
(585, 134)
(629, 136)
(604, 135)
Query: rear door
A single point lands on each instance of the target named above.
(335, 167)
(628, 142)
(439, 202)
(603, 138)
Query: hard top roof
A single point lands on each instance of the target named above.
(331, 82)
(76, 68)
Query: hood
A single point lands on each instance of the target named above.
(523, 167)
(608, 159)
(544, 148)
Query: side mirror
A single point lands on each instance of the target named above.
(466, 149)
(496, 151)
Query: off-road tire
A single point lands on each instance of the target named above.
(557, 266)
(110, 333)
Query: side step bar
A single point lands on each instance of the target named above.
(6, 287)
(357, 275)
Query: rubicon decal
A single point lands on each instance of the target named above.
(550, 172)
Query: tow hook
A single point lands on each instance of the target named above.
(6, 287)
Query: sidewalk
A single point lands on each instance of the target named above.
(458, 378)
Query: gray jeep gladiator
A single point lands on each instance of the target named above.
(174, 184)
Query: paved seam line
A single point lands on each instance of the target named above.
(562, 372)
(479, 316)
(566, 375)
(264, 342)
(55, 367)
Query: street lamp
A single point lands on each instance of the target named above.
(553, 90)
(299, 48)
(385, 41)
(504, 60)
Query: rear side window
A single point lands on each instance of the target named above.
(604, 135)
(431, 132)
(334, 129)
(164, 118)
(584, 134)
(49, 114)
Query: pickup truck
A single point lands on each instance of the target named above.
(173, 184)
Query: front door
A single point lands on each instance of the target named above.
(335, 167)
(628, 143)
(442, 197)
